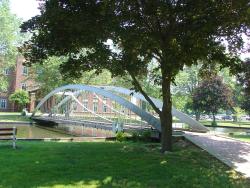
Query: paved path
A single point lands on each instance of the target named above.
(234, 153)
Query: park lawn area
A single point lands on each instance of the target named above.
(228, 123)
(13, 117)
(242, 137)
(111, 164)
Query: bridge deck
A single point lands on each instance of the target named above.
(93, 124)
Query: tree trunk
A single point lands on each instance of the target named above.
(213, 117)
(166, 117)
(197, 116)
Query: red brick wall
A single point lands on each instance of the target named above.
(16, 78)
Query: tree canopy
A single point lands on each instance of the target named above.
(212, 95)
(20, 97)
(9, 40)
(244, 81)
(125, 36)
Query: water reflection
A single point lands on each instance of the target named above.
(34, 131)
(223, 130)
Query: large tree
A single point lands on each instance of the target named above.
(9, 40)
(125, 36)
(211, 96)
(244, 81)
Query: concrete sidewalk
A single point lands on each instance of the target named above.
(235, 154)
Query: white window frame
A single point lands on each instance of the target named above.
(104, 108)
(25, 70)
(85, 104)
(95, 107)
(3, 103)
(24, 86)
(6, 71)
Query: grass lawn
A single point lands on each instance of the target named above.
(242, 137)
(13, 117)
(228, 123)
(111, 164)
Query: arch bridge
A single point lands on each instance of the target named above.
(105, 106)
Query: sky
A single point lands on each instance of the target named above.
(26, 9)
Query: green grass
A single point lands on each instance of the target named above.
(228, 123)
(241, 137)
(111, 164)
(13, 117)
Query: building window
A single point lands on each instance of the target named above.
(105, 98)
(3, 103)
(23, 86)
(95, 96)
(104, 108)
(85, 104)
(95, 106)
(6, 71)
(25, 70)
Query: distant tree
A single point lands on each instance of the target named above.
(211, 95)
(244, 81)
(47, 76)
(10, 38)
(125, 36)
(20, 97)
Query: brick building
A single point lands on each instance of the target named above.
(18, 80)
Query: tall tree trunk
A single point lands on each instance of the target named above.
(197, 116)
(166, 116)
(213, 117)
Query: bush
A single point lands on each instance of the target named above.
(135, 136)
(120, 136)
(146, 135)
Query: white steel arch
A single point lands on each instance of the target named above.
(184, 118)
(107, 91)
(150, 119)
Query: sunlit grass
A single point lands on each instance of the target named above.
(240, 136)
(228, 123)
(111, 164)
(13, 117)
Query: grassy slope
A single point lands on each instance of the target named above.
(53, 164)
(13, 117)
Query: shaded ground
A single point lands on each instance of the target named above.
(232, 152)
(111, 164)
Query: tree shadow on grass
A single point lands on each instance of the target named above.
(40, 164)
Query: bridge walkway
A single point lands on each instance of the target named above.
(235, 154)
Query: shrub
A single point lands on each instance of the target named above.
(120, 136)
(135, 136)
(20, 97)
(146, 135)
